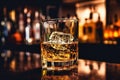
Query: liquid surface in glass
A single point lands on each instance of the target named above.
(57, 55)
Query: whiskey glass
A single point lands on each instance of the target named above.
(59, 44)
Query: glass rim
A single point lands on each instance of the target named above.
(62, 19)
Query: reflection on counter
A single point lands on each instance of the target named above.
(87, 70)
(92, 70)
(19, 61)
(60, 75)
(26, 65)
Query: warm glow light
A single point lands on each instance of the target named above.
(17, 37)
(13, 64)
(82, 68)
(77, 5)
(106, 35)
(30, 40)
(102, 70)
(106, 42)
(28, 20)
(82, 14)
(110, 33)
(85, 38)
(36, 13)
(110, 42)
(12, 15)
(118, 23)
(85, 69)
(114, 42)
(119, 32)
(8, 26)
(25, 10)
(115, 34)
(95, 65)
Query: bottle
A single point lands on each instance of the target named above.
(21, 23)
(85, 31)
(89, 31)
(99, 30)
(116, 25)
(92, 26)
(28, 31)
(21, 26)
(17, 37)
(6, 27)
(36, 28)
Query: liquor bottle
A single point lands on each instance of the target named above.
(92, 27)
(21, 26)
(85, 31)
(116, 25)
(99, 30)
(6, 27)
(17, 37)
(89, 31)
(21, 23)
(36, 28)
(28, 30)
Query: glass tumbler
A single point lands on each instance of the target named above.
(59, 44)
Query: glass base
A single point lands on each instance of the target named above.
(60, 74)
(68, 65)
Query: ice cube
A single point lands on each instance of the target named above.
(60, 37)
(59, 40)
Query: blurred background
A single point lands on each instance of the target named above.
(98, 20)
(98, 32)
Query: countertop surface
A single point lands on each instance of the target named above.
(91, 51)
(26, 65)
